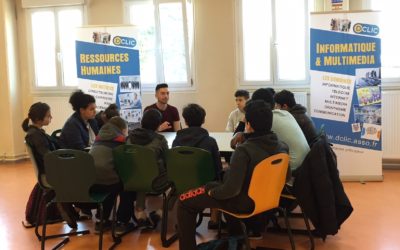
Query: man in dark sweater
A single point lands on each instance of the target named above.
(285, 100)
(231, 193)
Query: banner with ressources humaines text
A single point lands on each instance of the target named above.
(345, 69)
(107, 60)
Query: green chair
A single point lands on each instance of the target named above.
(71, 173)
(48, 193)
(138, 169)
(187, 168)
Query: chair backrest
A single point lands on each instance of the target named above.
(41, 177)
(189, 167)
(267, 182)
(71, 173)
(136, 166)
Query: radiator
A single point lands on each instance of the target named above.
(391, 124)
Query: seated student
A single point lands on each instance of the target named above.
(198, 137)
(285, 127)
(103, 116)
(148, 137)
(40, 115)
(241, 97)
(231, 193)
(80, 130)
(285, 100)
(111, 135)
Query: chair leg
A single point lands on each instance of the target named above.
(117, 239)
(310, 236)
(166, 242)
(246, 238)
(100, 207)
(288, 228)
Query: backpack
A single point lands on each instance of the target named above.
(37, 204)
(229, 243)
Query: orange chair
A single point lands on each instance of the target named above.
(265, 189)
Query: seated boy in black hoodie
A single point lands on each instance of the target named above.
(232, 193)
(148, 137)
(198, 137)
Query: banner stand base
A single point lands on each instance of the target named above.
(361, 178)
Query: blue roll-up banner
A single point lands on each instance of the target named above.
(107, 60)
(345, 69)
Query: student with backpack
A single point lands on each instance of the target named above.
(40, 115)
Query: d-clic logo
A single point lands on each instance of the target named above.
(124, 41)
(366, 29)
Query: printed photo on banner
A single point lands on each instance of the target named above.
(369, 95)
(371, 132)
(356, 127)
(369, 77)
(130, 100)
(101, 37)
(339, 24)
(371, 114)
(129, 83)
(131, 115)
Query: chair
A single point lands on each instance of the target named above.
(71, 173)
(187, 168)
(266, 184)
(138, 169)
(48, 192)
(292, 199)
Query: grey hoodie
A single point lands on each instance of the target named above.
(108, 138)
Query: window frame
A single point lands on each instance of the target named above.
(387, 82)
(60, 86)
(188, 39)
(274, 70)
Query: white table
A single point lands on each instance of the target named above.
(223, 139)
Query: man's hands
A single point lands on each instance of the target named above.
(164, 126)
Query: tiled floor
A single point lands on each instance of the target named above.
(373, 225)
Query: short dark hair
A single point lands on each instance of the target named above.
(194, 115)
(243, 93)
(37, 112)
(80, 100)
(151, 119)
(264, 94)
(259, 115)
(285, 97)
(111, 111)
(161, 85)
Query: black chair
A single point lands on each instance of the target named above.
(71, 173)
(48, 194)
(198, 168)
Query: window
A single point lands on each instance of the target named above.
(273, 42)
(165, 28)
(53, 43)
(390, 54)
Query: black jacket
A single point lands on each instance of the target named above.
(235, 185)
(319, 190)
(152, 140)
(74, 134)
(304, 121)
(41, 144)
(198, 137)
